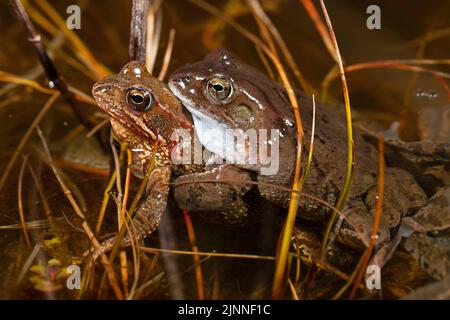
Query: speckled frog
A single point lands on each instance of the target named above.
(223, 92)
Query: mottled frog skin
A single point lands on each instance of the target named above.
(223, 89)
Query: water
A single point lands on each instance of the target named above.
(385, 94)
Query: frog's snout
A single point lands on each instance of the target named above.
(180, 81)
(101, 90)
(101, 87)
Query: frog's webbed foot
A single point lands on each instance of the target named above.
(433, 254)
(401, 194)
(220, 201)
(149, 213)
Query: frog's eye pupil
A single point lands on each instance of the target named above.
(139, 99)
(219, 89)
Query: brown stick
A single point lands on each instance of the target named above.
(52, 74)
(138, 30)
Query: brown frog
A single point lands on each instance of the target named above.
(222, 91)
(144, 113)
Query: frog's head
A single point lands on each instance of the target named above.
(221, 88)
(142, 108)
(222, 92)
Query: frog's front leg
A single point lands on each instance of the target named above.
(220, 201)
(149, 213)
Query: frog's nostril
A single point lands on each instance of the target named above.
(181, 80)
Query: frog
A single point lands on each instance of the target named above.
(425, 233)
(224, 92)
(144, 113)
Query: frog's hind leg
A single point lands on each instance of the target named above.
(149, 213)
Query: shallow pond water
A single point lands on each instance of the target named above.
(383, 94)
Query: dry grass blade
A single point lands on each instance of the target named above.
(208, 254)
(431, 36)
(97, 127)
(320, 26)
(132, 210)
(82, 52)
(377, 217)
(20, 203)
(105, 201)
(311, 144)
(292, 289)
(261, 14)
(26, 266)
(167, 55)
(26, 137)
(121, 220)
(154, 24)
(79, 95)
(350, 144)
(86, 228)
(198, 268)
(403, 65)
(7, 77)
(45, 204)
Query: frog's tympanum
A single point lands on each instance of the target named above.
(223, 92)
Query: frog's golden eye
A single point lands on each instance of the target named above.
(139, 99)
(219, 88)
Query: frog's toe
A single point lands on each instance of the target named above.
(358, 225)
(435, 215)
(148, 215)
(433, 254)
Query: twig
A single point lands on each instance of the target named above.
(52, 74)
(138, 30)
